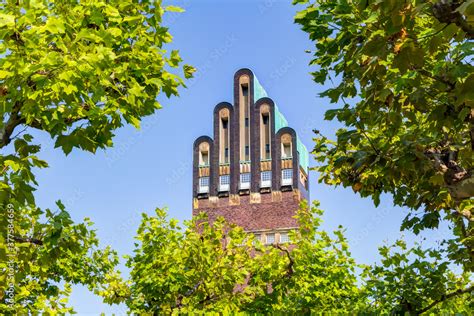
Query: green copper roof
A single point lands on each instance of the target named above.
(258, 91)
(280, 122)
(304, 156)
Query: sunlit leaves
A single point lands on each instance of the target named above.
(415, 280)
(217, 267)
(204, 267)
(76, 71)
(403, 83)
(86, 62)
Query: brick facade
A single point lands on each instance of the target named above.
(272, 211)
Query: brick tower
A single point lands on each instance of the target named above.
(254, 171)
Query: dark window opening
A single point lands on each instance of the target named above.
(226, 154)
(246, 122)
(267, 148)
(247, 150)
(265, 119)
(245, 90)
(225, 123)
(286, 151)
(204, 158)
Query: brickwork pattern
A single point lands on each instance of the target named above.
(274, 212)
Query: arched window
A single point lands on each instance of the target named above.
(265, 128)
(224, 135)
(203, 181)
(286, 160)
(204, 154)
(244, 117)
(286, 146)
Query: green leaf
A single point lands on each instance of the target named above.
(7, 20)
(12, 164)
(189, 71)
(330, 114)
(172, 8)
(5, 74)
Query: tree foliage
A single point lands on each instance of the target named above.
(404, 84)
(79, 70)
(76, 70)
(218, 268)
(416, 280)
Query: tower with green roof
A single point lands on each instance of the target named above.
(254, 170)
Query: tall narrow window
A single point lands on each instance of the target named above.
(286, 150)
(265, 127)
(224, 136)
(244, 117)
(245, 92)
(204, 158)
(225, 144)
(203, 180)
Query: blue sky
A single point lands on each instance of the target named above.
(151, 167)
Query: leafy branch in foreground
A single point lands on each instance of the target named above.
(415, 281)
(403, 79)
(77, 71)
(217, 267)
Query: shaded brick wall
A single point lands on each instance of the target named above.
(273, 211)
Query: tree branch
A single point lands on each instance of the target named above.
(28, 240)
(179, 300)
(13, 121)
(290, 270)
(446, 297)
(445, 12)
(437, 78)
